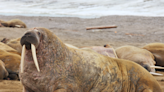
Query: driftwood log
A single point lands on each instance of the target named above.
(101, 27)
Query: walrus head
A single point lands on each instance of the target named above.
(3, 23)
(37, 45)
(30, 41)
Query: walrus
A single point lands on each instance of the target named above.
(157, 49)
(48, 65)
(138, 55)
(3, 71)
(13, 23)
(11, 58)
(12, 62)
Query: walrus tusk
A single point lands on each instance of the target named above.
(157, 67)
(157, 74)
(18, 26)
(33, 49)
(22, 58)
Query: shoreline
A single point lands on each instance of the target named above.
(72, 16)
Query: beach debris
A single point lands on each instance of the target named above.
(101, 27)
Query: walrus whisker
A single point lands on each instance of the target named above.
(22, 58)
(33, 49)
(157, 67)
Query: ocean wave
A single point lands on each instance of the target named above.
(82, 8)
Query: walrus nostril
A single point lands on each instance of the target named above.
(25, 42)
(28, 45)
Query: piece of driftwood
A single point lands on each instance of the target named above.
(101, 27)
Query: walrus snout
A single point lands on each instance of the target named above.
(147, 67)
(29, 38)
(30, 41)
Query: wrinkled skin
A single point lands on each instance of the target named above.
(157, 49)
(137, 55)
(13, 23)
(64, 69)
(3, 71)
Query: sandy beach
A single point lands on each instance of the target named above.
(131, 30)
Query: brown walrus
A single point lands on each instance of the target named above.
(63, 69)
(138, 55)
(12, 62)
(3, 71)
(13, 23)
(157, 49)
(11, 58)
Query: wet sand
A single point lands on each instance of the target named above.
(131, 30)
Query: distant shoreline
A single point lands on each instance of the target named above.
(69, 16)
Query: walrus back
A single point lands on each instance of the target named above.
(122, 75)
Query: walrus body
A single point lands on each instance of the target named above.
(3, 71)
(138, 55)
(157, 49)
(65, 69)
(12, 61)
(13, 23)
(11, 58)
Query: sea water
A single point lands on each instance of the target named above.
(82, 8)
